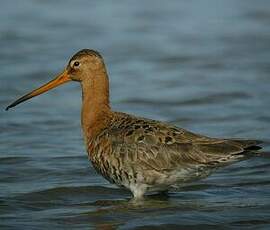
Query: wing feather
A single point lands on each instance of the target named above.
(161, 146)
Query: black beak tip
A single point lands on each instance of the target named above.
(7, 108)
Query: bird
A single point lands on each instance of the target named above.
(142, 155)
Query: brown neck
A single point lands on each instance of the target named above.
(95, 104)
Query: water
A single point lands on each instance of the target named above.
(202, 65)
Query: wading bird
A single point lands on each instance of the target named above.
(139, 154)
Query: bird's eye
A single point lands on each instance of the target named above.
(76, 64)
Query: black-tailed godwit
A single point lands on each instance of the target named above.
(139, 154)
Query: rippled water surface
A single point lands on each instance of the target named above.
(202, 65)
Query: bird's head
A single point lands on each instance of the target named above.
(84, 66)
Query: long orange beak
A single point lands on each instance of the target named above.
(59, 80)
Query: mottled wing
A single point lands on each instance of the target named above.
(161, 146)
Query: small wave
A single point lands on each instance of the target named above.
(209, 99)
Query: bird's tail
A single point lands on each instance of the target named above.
(248, 145)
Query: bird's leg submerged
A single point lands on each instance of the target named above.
(138, 191)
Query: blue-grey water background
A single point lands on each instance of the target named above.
(202, 65)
